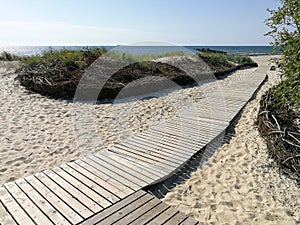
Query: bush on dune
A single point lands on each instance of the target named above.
(280, 107)
(57, 73)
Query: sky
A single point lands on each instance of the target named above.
(112, 22)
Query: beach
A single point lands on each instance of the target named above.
(239, 184)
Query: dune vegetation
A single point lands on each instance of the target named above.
(57, 73)
(279, 118)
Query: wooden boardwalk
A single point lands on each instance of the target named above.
(106, 188)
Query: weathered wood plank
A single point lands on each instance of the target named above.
(161, 147)
(181, 131)
(111, 174)
(129, 168)
(146, 166)
(132, 177)
(194, 138)
(77, 194)
(152, 213)
(5, 217)
(31, 209)
(171, 140)
(70, 214)
(119, 149)
(137, 213)
(70, 200)
(155, 151)
(12, 206)
(189, 221)
(55, 216)
(98, 218)
(83, 188)
(176, 219)
(153, 160)
(137, 167)
(101, 179)
(91, 184)
(148, 153)
(164, 216)
(126, 210)
(204, 128)
(164, 141)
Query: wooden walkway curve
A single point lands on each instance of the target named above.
(106, 188)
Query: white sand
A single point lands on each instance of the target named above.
(239, 183)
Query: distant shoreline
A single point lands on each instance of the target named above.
(138, 50)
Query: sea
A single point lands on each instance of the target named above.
(142, 50)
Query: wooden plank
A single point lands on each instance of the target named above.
(203, 128)
(5, 217)
(158, 172)
(176, 219)
(11, 205)
(139, 212)
(138, 168)
(76, 193)
(161, 145)
(163, 217)
(113, 218)
(129, 168)
(55, 216)
(194, 138)
(101, 179)
(189, 221)
(178, 140)
(167, 139)
(156, 151)
(89, 192)
(114, 208)
(199, 121)
(204, 135)
(91, 184)
(148, 153)
(199, 131)
(158, 162)
(69, 199)
(198, 143)
(150, 162)
(171, 143)
(31, 209)
(152, 213)
(70, 214)
(133, 178)
(111, 174)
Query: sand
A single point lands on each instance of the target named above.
(37, 133)
(239, 184)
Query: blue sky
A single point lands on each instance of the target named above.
(110, 22)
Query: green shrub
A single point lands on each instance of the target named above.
(285, 30)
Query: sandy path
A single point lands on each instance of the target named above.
(240, 184)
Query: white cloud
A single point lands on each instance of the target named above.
(60, 33)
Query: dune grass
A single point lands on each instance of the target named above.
(228, 58)
(6, 56)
